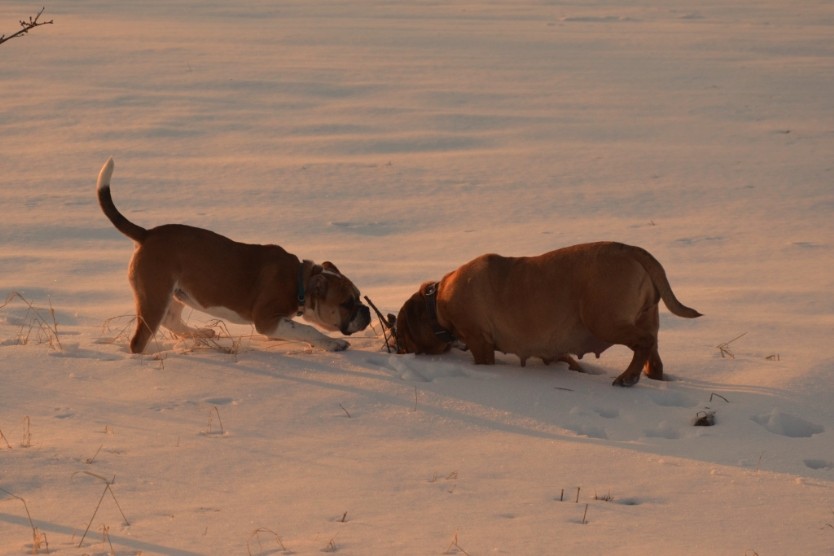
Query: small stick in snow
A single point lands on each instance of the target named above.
(387, 323)
(345, 410)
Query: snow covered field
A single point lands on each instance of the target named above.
(399, 140)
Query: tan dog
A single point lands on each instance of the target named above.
(576, 300)
(176, 265)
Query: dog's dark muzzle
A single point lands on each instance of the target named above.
(360, 318)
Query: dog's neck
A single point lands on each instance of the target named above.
(443, 334)
(300, 288)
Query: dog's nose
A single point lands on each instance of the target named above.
(365, 313)
(361, 319)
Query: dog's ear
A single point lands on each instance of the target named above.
(330, 267)
(425, 287)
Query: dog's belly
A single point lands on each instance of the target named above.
(553, 344)
(220, 312)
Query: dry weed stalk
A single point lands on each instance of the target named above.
(212, 412)
(90, 461)
(107, 488)
(27, 433)
(256, 534)
(38, 538)
(5, 440)
(105, 537)
(33, 321)
(221, 333)
(724, 348)
(456, 546)
(604, 497)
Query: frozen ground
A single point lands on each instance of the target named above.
(399, 140)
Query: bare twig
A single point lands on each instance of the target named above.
(724, 348)
(386, 323)
(26, 26)
(345, 410)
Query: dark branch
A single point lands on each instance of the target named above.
(26, 26)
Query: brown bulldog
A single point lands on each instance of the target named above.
(176, 265)
(577, 300)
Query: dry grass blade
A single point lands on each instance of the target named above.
(724, 348)
(38, 538)
(456, 546)
(107, 488)
(5, 440)
(257, 535)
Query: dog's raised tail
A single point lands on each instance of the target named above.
(105, 200)
(661, 282)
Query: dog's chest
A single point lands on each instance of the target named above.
(223, 313)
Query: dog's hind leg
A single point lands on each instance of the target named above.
(173, 322)
(148, 318)
(153, 296)
(642, 342)
(654, 366)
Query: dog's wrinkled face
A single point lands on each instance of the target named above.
(333, 302)
(414, 330)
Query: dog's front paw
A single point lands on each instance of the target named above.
(333, 344)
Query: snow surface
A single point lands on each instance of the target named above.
(399, 140)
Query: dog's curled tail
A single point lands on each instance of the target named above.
(128, 228)
(661, 282)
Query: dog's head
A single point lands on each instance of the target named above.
(416, 329)
(333, 302)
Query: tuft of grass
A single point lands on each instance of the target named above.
(35, 325)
